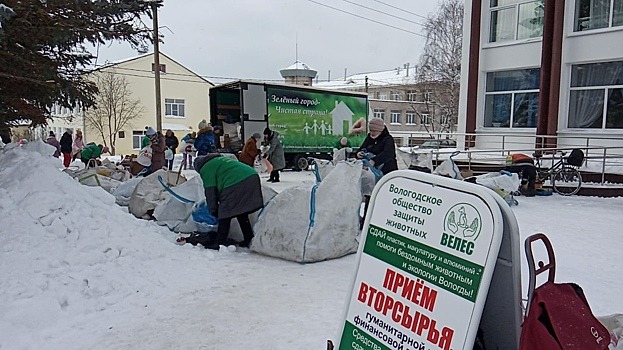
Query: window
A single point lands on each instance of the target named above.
(137, 139)
(411, 118)
(512, 98)
(382, 95)
(516, 20)
(426, 119)
(595, 14)
(174, 107)
(411, 96)
(163, 68)
(379, 113)
(122, 134)
(445, 120)
(395, 117)
(596, 97)
(428, 95)
(395, 95)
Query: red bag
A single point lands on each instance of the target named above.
(559, 318)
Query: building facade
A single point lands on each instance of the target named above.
(547, 68)
(184, 102)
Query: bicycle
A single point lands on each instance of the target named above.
(564, 176)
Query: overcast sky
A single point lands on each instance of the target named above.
(254, 39)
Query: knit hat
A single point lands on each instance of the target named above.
(150, 131)
(70, 131)
(267, 132)
(256, 135)
(202, 124)
(343, 141)
(78, 132)
(376, 124)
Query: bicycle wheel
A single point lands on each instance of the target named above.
(567, 181)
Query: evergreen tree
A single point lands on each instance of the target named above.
(42, 52)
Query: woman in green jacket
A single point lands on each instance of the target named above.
(232, 190)
(92, 151)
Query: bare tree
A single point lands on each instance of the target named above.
(440, 63)
(115, 109)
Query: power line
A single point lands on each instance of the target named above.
(385, 13)
(367, 19)
(400, 9)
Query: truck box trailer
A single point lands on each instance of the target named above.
(310, 121)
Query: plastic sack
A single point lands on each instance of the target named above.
(614, 325)
(168, 154)
(201, 214)
(421, 161)
(448, 168)
(144, 156)
(313, 222)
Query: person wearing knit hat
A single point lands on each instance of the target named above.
(376, 124)
(379, 144)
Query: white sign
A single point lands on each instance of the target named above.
(425, 262)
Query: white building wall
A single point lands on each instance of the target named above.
(578, 47)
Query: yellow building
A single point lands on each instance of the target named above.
(184, 99)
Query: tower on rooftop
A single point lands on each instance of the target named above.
(299, 74)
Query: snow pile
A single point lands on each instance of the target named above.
(70, 251)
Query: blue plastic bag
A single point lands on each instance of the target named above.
(205, 221)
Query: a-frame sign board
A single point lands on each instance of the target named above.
(438, 261)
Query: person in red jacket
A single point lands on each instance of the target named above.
(524, 166)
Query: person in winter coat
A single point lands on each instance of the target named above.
(204, 143)
(78, 144)
(92, 151)
(66, 146)
(232, 190)
(274, 154)
(52, 141)
(524, 166)
(158, 146)
(172, 143)
(381, 144)
(147, 139)
(250, 150)
(189, 140)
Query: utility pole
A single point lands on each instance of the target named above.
(154, 8)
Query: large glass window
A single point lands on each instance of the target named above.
(516, 20)
(512, 98)
(395, 117)
(174, 107)
(412, 95)
(596, 97)
(595, 14)
(411, 118)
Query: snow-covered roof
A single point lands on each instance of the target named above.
(298, 69)
(299, 65)
(397, 76)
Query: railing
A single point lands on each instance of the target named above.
(603, 155)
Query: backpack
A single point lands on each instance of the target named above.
(576, 157)
(559, 318)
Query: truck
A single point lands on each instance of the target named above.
(310, 121)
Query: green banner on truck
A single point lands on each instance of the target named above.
(314, 121)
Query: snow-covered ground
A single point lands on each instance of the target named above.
(79, 272)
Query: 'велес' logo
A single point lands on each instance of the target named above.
(462, 226)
